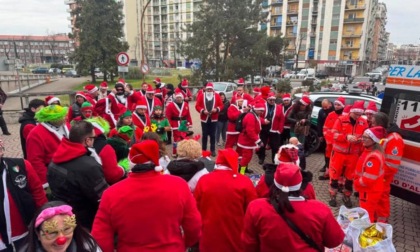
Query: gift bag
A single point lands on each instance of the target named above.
(346, 216)
(384, 245)
(301, 129)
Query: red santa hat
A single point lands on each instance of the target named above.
(158, 92)
(288, 177)
(206, 153)
(241, 81)
(90, 88)
(358, 107)
(121, 81)
(141, 104)
(104, 85)
(156, 80)
(210, 86)
(346, 109)
(51, 99)
(288, 154)
(376, 133)
(184, 83)
(145, 152)
(150, 90)
(305, 100)
(271, 95)
(256, 90)
(341, 100)
(179, 94)
(264, 92)
(259, 106)
(228, 158)
(80, 93)
(371, 108)
(286, 97)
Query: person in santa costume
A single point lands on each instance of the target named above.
(222, 198)
(121, 94)
(369, 175)
(160, 89)
(27, 121)
(209, 105)
(184, 90)
(393, 146)
(239, 93)
(178, 114)
(143, 89)
(370, 111)
(287, 108)
(150, 100)
(271, 128)
(44, 139)
(105, 112)
(103, 90)
(75, 173)
(257, 93)
(86, 112)
(92, 93)
(52, 100)
(249, 139)
(21, 193)
(265, 218)
(140, 116)
(74, 109)
(163, 217)
(233, 113)
(112, 171)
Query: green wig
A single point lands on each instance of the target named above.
(52, 113)
(100, 123)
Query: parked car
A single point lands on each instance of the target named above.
(40, 70)
(290, 75)
(317, 97)
(72, 73)
(54, 70)
(99, 74)
(321, 75)
(306, 72)
(226, 87)
(315, 80)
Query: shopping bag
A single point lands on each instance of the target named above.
(346, 216)
(384, 245)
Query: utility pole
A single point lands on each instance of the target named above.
(142, 34)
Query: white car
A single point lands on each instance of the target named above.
(315, 80)
(291, 75)
(99, 74)
(226, 87)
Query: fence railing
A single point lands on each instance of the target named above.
(10, 82)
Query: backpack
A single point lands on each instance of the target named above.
(238, 126)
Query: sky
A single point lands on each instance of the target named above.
(43, 17)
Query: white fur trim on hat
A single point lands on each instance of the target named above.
(52, 100)
(303, 102)
(339, 102)
(141, 106)
(179, 95)
(356, 110)
(93, 90)
(371, 135)
(96, 125)
(370, 111)
(288, 188)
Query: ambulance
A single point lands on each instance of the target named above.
(402, 103)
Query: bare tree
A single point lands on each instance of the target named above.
(6, 49)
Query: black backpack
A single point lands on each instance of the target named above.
(238, 126)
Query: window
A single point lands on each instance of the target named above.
(333, 41)
(352, 15)
(229, 88)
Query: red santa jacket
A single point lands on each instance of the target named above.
(112, 171)
(139, 123)
(129, 102)
(369, 175)
(277, 119)
(266, 231)
(17, 225)
(90, 99)
(393, 148)
(250, 135)
(186, 94)
(200, 106)
(328, 126)
(41, 144)
(176, 114)
(244, 96)
(342, 128)
(233, 113)
(151, 104)
(222, 200)
(144, 221)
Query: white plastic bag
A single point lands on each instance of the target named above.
(385, 245)
(347, 216)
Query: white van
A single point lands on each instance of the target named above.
(306, 72)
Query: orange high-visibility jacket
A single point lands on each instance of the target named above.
(369, 176)
(393, 147)
(342, 128)
(328, 126)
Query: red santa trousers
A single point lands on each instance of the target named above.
(231, 140)
(246, 156)
(385, 210)
(370, 202)
(339, 161)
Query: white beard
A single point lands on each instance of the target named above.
(209, 95)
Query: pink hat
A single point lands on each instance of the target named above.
(90, 88)
(150, 90)
(286, 97)
(376, 133)
(229, 158)
(145, 152)
(288, 177)
(371, 108)
(156, 80)
(104, 85)
(358, 107)
(241, 81)
(305, 100)
(209, 85)
(51, 99)
(184, 83)
(341, 100)
(141, 104)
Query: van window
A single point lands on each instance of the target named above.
(229, 88)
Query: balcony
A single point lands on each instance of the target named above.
(350, 47)
(291, 35)
(313, 22)
(291, 23)
(70, 18)
(69, 1)
(292, 11)
(293, 1)
(353, 20)
(276, 2)
(355, 7)
(315, 9)
(276, 14)
(352, 35)
(312, 34)
(276, 25)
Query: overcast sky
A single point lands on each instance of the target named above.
(42, 17)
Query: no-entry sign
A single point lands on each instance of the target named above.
(122, 59)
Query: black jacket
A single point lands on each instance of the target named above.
(28, 117)
(223, 113)
(322, 115)
(185, 168)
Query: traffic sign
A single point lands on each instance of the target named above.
(122, 59)
(144, 68)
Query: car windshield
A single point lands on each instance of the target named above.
(221, 87)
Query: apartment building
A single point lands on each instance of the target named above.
(164, 24)
(72, 5)
(35, 49)
(330, 33)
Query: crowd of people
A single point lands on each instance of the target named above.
(95, 176)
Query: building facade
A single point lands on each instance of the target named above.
(164, 24)
(337, 34)
(35, 49)
(72, 6)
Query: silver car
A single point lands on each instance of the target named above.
(226, 87)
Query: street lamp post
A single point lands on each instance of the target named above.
(142, 35)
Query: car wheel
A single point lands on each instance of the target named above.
(311, 142)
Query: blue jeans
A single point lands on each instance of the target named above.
(221, 130)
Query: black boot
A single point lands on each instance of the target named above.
(347, 201)
(333, 201)
(324, 177)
